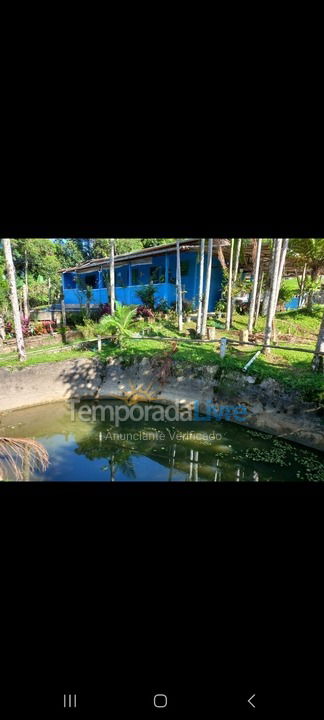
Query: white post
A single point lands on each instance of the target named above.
(207, 287)
(201, 285)
(222, 348)
(112, 276)
(99, 343)
(229, 291)
(179, 289)
(255, 286)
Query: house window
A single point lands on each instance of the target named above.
(90, 280)
(121, 276)
(141, 275)
(172, 269)
(157, 273)
(69, 281)
(184, 265)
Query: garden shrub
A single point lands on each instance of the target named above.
(147, 294)
(163, 306)
(144, 311)
(89, 329)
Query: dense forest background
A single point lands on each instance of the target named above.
(38, 262)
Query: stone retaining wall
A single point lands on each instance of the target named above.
(270, 407)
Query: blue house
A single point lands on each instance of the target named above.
(155, 265)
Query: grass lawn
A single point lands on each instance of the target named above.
(11, 361)
(290, 367)
(299, 323)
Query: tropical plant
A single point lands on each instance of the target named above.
(162, 306)
(147, 294)
(145, 312)
(89, 329)
(118, 324)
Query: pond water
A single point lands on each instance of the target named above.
(97, 450)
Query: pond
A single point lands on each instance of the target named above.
(82, 449)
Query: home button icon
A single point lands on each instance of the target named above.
(160, 701)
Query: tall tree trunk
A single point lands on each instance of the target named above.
(314, 276)
(284, 249)
(229, 290)
(25, 300)
(201, 286)
(26, 267)
(112, 276)
(221, 258)
(267, 289)
(207, 287)
(318, 360)
(179, 289)
(14, 298)
(302, 285)
(255, 285)
(273, 294)
(258, 302)
(237, 259)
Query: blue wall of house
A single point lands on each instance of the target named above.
(163, 268)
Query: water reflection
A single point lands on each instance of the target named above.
(181, 452)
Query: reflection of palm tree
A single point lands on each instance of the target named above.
(123, 463)
(20, 457)
(117, 458)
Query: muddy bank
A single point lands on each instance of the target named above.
(270, 408)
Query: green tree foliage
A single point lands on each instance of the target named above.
(100, 247)
(70, 251)
(309, 251)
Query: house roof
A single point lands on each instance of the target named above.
(246, 257)
(186, 245)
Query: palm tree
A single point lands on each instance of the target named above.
(207, 288)
(266, 297)
(275, 264)
(237, 259)
(14, 299)
(229, 291)
(255, 285)
(201, 286)
(281, 267)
